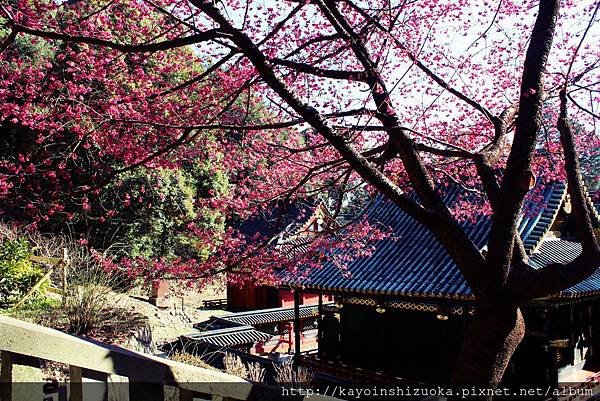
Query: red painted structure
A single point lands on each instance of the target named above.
(285, 343)
(262, 297)
(249, 297)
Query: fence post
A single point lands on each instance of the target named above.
(65, 267)
(20, 378)
(75, 383)
(6, 376)
(185, 395)
(118, 388)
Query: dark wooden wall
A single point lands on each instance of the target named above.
(417, 345)
(410, 344)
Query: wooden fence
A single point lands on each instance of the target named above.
(128, 375)
(54, 265)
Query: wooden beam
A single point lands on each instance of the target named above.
(34, 288)
(6, 376)
(75, 383)
(319, 325)
(65, 269)
(43, 259)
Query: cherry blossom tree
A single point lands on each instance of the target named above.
(405, 96)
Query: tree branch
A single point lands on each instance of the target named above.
(557, 277)
(515, 184)
(458, 245)
(321, 72)
(254, 127)
(186, 135)
(318, 39)
(436, 78)
(125, 48)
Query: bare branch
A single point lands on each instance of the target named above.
(318, 39)
(436, 78)
(321, 72)
(254, 127)
(125, 48)
(585, 32)
(580, 107)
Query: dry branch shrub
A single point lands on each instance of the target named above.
(234, 365)
(256, 373)
(190, 359)
(89, 302)
(288, 375)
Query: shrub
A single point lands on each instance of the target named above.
(17, 273)
(256, 373)
(288, 375)
(190, 359)
(89, 303)
(234, 365)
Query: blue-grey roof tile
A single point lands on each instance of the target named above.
(416, 264)
(562, 251)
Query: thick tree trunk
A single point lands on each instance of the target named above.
(492, 337)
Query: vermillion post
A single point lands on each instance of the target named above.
(319, 326)
(297, 324)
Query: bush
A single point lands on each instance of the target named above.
(189, 359)
(234, 365)
(256, 373)
(288, 375)
(89, 302)
(17, 273)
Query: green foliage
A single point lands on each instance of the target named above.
(38, 310)
(155, 205)
(34, 50)
(17, 273)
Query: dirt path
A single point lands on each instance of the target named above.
(167, 324)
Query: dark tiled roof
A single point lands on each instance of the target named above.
(228, 337)
(555, 251)
(561, 251)
(416, 264)
(277, 217)
(215, 323)
(236, 328)
(536, 222)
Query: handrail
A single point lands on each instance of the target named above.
(81, 354)
(32, 340)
